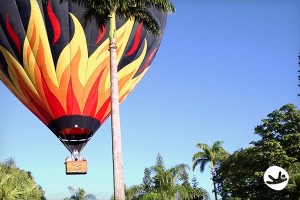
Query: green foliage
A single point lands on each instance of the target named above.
(160, 183)
(17, 184)
(101, 11)
(147, 181)
(208, 154)
(281, 122)
(241, 174)
(212, 155)
(294, 182)
(79, 194)
(194, 182)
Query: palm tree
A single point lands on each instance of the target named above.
(160, 183)
(104, 11)
(79, 194)
(211, 155)
(166, 180)
(163, 184)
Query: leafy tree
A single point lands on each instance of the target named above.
(134, 192)
(160, 183)
(79, 194)
(241, 174)
(165, 180)
(18, 184)
(106, 11)
(147, 181)
(191, 191)
(294, 183)
(279, 123)
(194, 182)
(211, 155)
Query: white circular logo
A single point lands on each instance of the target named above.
(276, 178)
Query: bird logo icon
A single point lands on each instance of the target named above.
(276, 178)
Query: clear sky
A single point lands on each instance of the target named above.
(223, 65)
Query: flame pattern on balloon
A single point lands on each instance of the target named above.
(60, 70)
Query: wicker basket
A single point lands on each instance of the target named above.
(76, 167)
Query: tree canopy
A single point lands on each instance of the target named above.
(18, 184)
(79, 194)
(103, 10)
(161, 183)
(212, 155)
(241, 174)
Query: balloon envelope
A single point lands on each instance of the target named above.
(60, 70)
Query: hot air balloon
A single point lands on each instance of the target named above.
(59, 68)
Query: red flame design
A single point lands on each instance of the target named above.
(69, 92)
(55, 106)
(136, 40)
(12, 33)
(101, 34)
(92, 100)
(72, 105)
(54, 22)
(148, 61)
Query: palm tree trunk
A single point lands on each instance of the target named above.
(119, 190)
(213, 179)
(215, 188)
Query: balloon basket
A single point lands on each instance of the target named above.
(76, 167)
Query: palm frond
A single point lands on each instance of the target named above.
(160, 5)
(149, 22)
(98, 13)
(141, 15)
(200, 162)
(5, 178)
(138, 9)
(203, 164)
(202, 146)
(199, 155)
(211, 154)
(217, 146)
(195, 164)
(206, 149)
(80, 2)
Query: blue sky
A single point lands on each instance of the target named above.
(223, 65)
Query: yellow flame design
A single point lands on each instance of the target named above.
(36, 77)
